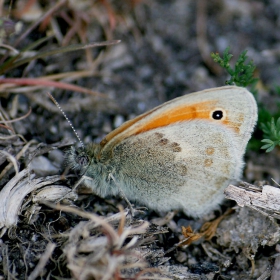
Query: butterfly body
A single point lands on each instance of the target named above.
(180, 155)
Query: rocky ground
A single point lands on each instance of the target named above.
(164, 53)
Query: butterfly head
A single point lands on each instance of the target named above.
(80, 158)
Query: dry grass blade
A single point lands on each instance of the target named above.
(46, 83)
(12, 136)
(61, 50)
(46, 15)
(32, 27)
(54, 193)
(101, 250)
(12, 160)
(18, 156)
(202, 42)
(16, 190)
(43, 261)
(5, 194)
(17, 119)
(10, 48)
(98, 221)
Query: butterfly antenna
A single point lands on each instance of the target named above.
(70, 123)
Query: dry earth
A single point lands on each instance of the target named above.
(164, 53)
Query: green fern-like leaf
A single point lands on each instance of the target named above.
(242, 72)
(271, 132)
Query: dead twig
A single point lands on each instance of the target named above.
(202, 42)
(42, 262)
(265, 200)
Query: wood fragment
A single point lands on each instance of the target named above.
(265, 199)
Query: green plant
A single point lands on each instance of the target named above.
(271, 132)
(242, 72)
(242, 75)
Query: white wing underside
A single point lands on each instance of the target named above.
(190, 174)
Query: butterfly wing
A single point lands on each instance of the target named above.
(183, 153)
(178, 166)
(237, 104)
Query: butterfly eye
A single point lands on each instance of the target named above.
(217, 114)
(82, 160)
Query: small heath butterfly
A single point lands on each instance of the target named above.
(179, 155)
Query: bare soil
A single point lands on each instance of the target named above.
(164, 53)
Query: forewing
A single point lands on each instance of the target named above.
(237, 103)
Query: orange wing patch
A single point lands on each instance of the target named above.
(180, 113)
